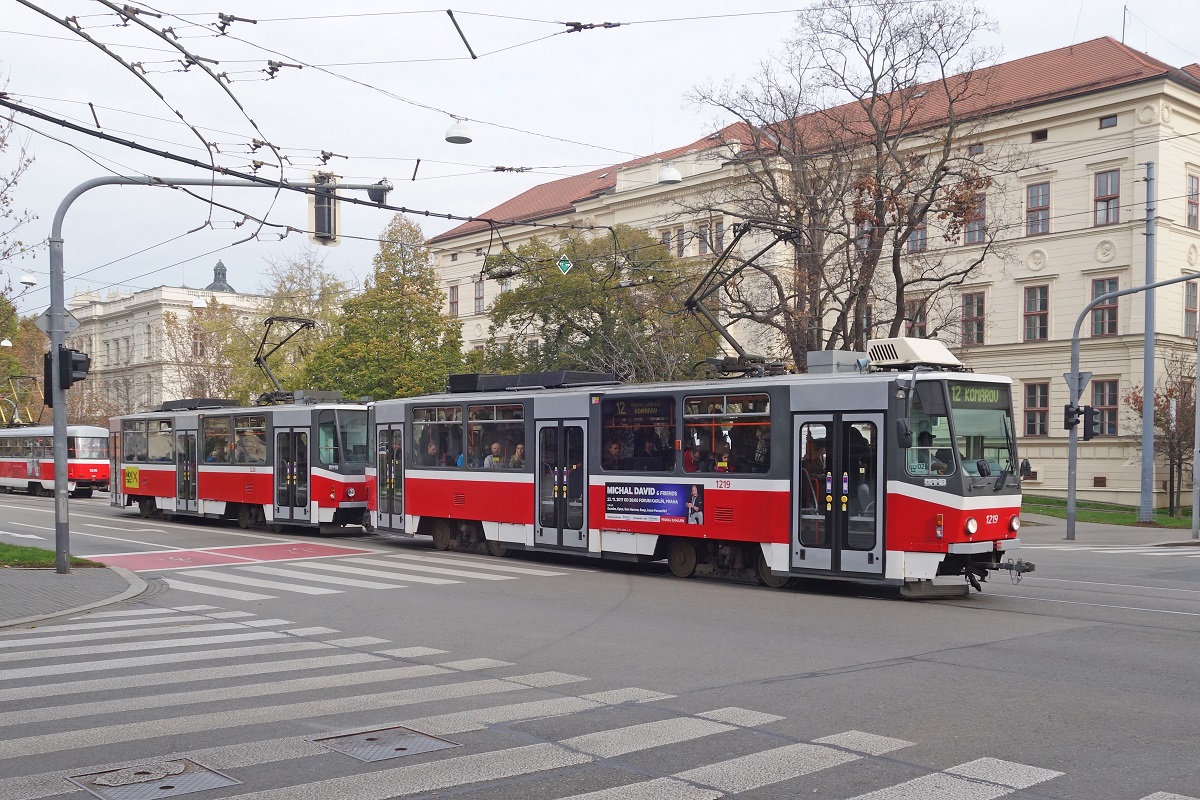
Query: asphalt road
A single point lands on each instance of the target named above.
(554, 677)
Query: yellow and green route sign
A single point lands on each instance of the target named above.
(132, 477)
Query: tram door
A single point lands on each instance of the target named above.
(185, 471)
(837, 518)
(291, 474)
(116, 476)
(561, 484)
(389, 477)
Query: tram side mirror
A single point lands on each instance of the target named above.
(985, 469)
(904, 433)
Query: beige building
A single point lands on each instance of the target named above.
(134, 368)
(1070, 224)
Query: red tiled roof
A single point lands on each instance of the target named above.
(1054, 75)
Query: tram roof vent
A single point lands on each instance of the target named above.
(904, 351)
(195, 403)
(559, 379)
(825, 362)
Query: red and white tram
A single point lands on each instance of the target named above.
(27, 459)
(299, 464)
(901, 473)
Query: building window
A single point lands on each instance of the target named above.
(918, 240)
(1108, 197)
(1104, 316)
(478, 251)
(666, 241)
(505, 285)
(975, 150)
(1037, 409)
(1190, 296)
(198, 349)
(453, 257)
(1104, 400)
(1037, 208)
(454, 301)
(720, 235)
(1037, 313)
(478, 297)
(680, 242)
(915, 319)
(1108, 122)
(976, 229)
(1193, 201)
(1039, 136)
(972, 312)
(702, 236)
(862, 238)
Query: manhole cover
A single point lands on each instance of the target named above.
(152, 779)
(385, 743)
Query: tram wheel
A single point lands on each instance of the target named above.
(144, 508)
(681, 558)
(275, 527)
(82, 493)
(245, 516)
(496, 548)
(168, 516)
(442, 535)
(766, 578)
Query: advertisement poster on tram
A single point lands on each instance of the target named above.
(661, 502)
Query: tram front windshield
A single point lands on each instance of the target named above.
(353, 427)
(983, 427)
(87, 447)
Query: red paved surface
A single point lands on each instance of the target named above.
(212, 556)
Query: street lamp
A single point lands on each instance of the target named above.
(458, 133)
(668, 175)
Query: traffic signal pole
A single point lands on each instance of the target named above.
(1076, 389)
(57, 314)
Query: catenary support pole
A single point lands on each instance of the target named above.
(58, 322)
(1146, 508)
(1072, 447)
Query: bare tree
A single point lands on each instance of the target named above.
(861, 148)
(1174, 418)
(207, 354)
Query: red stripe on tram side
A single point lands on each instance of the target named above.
(87, 470)
(139, 481)
(254, 485)
(739, 515)
(482, 500)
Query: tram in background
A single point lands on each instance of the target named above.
(899, 470)
(27, 459)
(297, 464)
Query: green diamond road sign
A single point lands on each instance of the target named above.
(565, 264)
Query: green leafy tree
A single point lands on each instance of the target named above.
(395, 340)
(619, 309)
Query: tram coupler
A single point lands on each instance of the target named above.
(977, 572)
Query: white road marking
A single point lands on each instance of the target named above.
(166, 630)
(199, 588)
(411, 652)
(480, 564)
(619, 741)
(374, 573)
(130, 541)
(100, 625)
(435, 570)
(1115, 585)
(240, 717)
(356, 641)
(21, 535)
(478, 719)
(631, 695)
(79, 667)
(982, 779)
(260, 583)
(69, 711)
(172, 677)
(1096, 605)
(1167, 796)
(431, 776)
(472, 664)
(95, 649)
(742, 717)
(298, 575)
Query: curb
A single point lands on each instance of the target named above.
(135, 588)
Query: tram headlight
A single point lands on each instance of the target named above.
(972, 526)
(350, 492)
(1014, 523)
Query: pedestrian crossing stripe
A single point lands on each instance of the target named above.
(982, 779)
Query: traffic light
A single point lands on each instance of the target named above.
(1091, 423)
(73, 367)
(1070, 416)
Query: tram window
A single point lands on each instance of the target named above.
(218, 440)
(437, 436)
(638, 434)
(250, 439)
(932, 452)
(133, 440)
(161, 445)
(328, 449)
(90, 446)
(727, 433)
(493, 435)
(352, 429)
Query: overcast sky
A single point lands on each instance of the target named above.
(378, 88)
